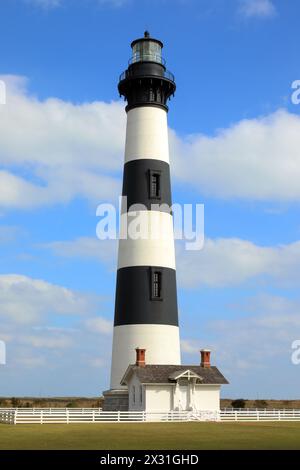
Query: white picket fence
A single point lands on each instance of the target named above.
(260, 415)
(79, 415)
(97, 415)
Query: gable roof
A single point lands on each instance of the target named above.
(169, 373)
(178, 374)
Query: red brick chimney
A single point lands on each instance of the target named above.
(205, 358)
(140, 357)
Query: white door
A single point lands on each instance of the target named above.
(183, 397)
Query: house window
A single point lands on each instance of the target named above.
(154, 184)
(133, 394)
(156, 284)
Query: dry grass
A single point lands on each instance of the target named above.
(82, 402)
(269, 404)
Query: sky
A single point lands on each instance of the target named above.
(234, 135)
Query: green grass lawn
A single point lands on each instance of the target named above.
(151, 436)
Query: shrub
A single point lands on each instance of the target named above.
(260, 404)
(71, 404)
(97, 404)
(15, 402)
(239, 403)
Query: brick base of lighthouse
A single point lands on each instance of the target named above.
(115, 400)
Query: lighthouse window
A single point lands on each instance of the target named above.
(154, 184)
(156, 285)
(147, 51)
(151, 95)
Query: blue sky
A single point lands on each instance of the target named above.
(234, 142)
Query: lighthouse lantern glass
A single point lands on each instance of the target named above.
(147, 51)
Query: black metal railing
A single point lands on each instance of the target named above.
(166, 74)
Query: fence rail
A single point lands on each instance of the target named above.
(65, 415)
(97, 415)
(260, 415)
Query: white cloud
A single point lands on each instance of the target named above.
(65, 150)
(86, 247)
(232, 261)
(265, 334)
(257, 8)
(53, 151)
(99, 325)
(24, 300)
(97, 362)
(190, 346)
(31, 362)
(114, 3)
(253, 348)
(9, 233)
(255, 159)
(54, 335)
(222, 262)
(47, 4)
(48, 342)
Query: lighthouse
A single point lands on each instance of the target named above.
(146, 313)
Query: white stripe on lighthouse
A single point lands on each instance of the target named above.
(156, 248)
(147, 134)
(161, 342)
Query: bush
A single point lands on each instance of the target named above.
(15, 402)
(260, 404)
(239, 403)
(98, 404)
(71, 404)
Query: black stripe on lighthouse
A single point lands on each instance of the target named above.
(135, 303)
(147, 182)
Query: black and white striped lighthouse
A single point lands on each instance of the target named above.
(146, 313)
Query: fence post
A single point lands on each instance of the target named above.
(279, 415)
(93, 416)
(41, 419)
(235, 415)
(118, 416)
(257, 415)
(67, 413)
(15, 413)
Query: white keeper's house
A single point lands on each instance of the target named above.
(173, 387)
